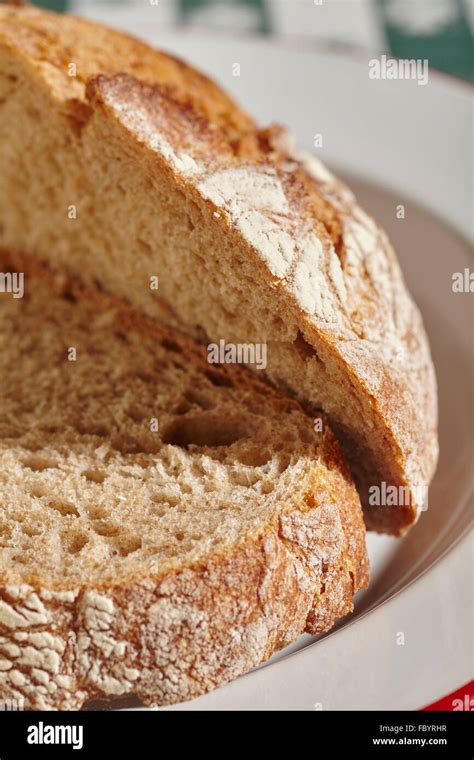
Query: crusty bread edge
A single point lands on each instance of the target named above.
(193, 631)
(171, 638)
(401, 435)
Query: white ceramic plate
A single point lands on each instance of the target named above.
(411, 145)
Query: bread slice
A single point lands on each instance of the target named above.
(165, 524)
(120, 163)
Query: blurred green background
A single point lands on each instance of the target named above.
(438, 30)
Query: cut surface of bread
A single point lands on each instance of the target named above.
(165, 524)
(136, 166)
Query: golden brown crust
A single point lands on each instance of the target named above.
(177, 638)
(56, 42)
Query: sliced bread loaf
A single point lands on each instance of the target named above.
(120, 177)
(165, 524)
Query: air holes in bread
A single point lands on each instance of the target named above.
(255, 457)
(78, 115)
(38, 490)
(38, 464)
(171, 345)
(245, 478)
(165, 498)
(96, 512)
(64, 508)
(32, 530)
(69, 296)
(219, 378)
(21, 559)
(128, 544)
(73, 542)
(182, 407)
(106, 529)
(305, 350)
(95, 476)
(203, 430)
(284, 461)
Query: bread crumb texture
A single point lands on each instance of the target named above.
(158, 560)
(253, 240)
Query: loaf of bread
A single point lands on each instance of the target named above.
(165, 524)
(120, 163)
